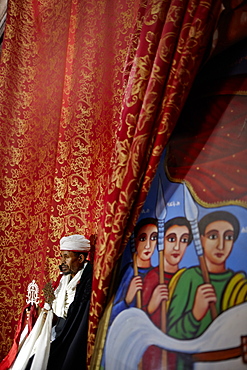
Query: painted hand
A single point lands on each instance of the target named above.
(135, 285)
(205, 294)
(160, 294)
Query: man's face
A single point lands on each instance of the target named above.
(71, 263)
(176, 240)
(217, 242)
(64, 269)
(146, 241)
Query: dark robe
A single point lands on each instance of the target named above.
(69, 350)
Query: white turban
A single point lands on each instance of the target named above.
(75, 243)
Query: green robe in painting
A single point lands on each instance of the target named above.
(181, 323)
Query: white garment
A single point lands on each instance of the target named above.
(39, 338)
(58, 303)
(132, 332)
(23, 337)
(38, 341)
(65, 293)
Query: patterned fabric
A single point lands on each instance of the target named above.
(60, 101)
(68, 163)
(168, 44)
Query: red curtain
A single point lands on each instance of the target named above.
(69, 162)
(168, 45)
(60, 100)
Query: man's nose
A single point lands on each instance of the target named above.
(176, 246)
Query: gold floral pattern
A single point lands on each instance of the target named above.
(168, 44)
(60, 101)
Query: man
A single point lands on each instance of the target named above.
(189, 311)
(71, 340)
(176, 239)
(70, 308)
(72, 267)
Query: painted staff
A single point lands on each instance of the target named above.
(135, 267)
(160, 211)
(191, 213)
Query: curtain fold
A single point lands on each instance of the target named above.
(60, 99)
(169, 43)
(75, 111)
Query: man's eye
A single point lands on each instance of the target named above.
(229, 237)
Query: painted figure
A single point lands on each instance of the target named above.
(176, 239)
(145, 242)
(189, 310)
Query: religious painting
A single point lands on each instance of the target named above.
(181, 298)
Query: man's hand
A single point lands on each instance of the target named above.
(205, 294)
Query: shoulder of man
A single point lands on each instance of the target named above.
(88, 270)
(235, 291)
(86, 278)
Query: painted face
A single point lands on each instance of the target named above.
(71, 263)
(176, 240)
(217, 242)
(146, 241)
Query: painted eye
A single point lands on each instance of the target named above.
(154, 236)
(171, 239)
(184, 240)
(213, 236)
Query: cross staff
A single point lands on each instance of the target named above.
(191, 213)
(160, 211)
(32, 293)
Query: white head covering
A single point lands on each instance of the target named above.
(75, 243)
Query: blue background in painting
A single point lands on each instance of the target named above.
(237, 261)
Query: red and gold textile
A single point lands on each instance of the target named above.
(78, 156)
(60, 100)
(167, 48)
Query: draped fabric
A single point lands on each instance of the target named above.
(167, 48)
(70, 163)
(32, 317)
(3, 13)
(60, 100)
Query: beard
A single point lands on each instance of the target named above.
(64, 269)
